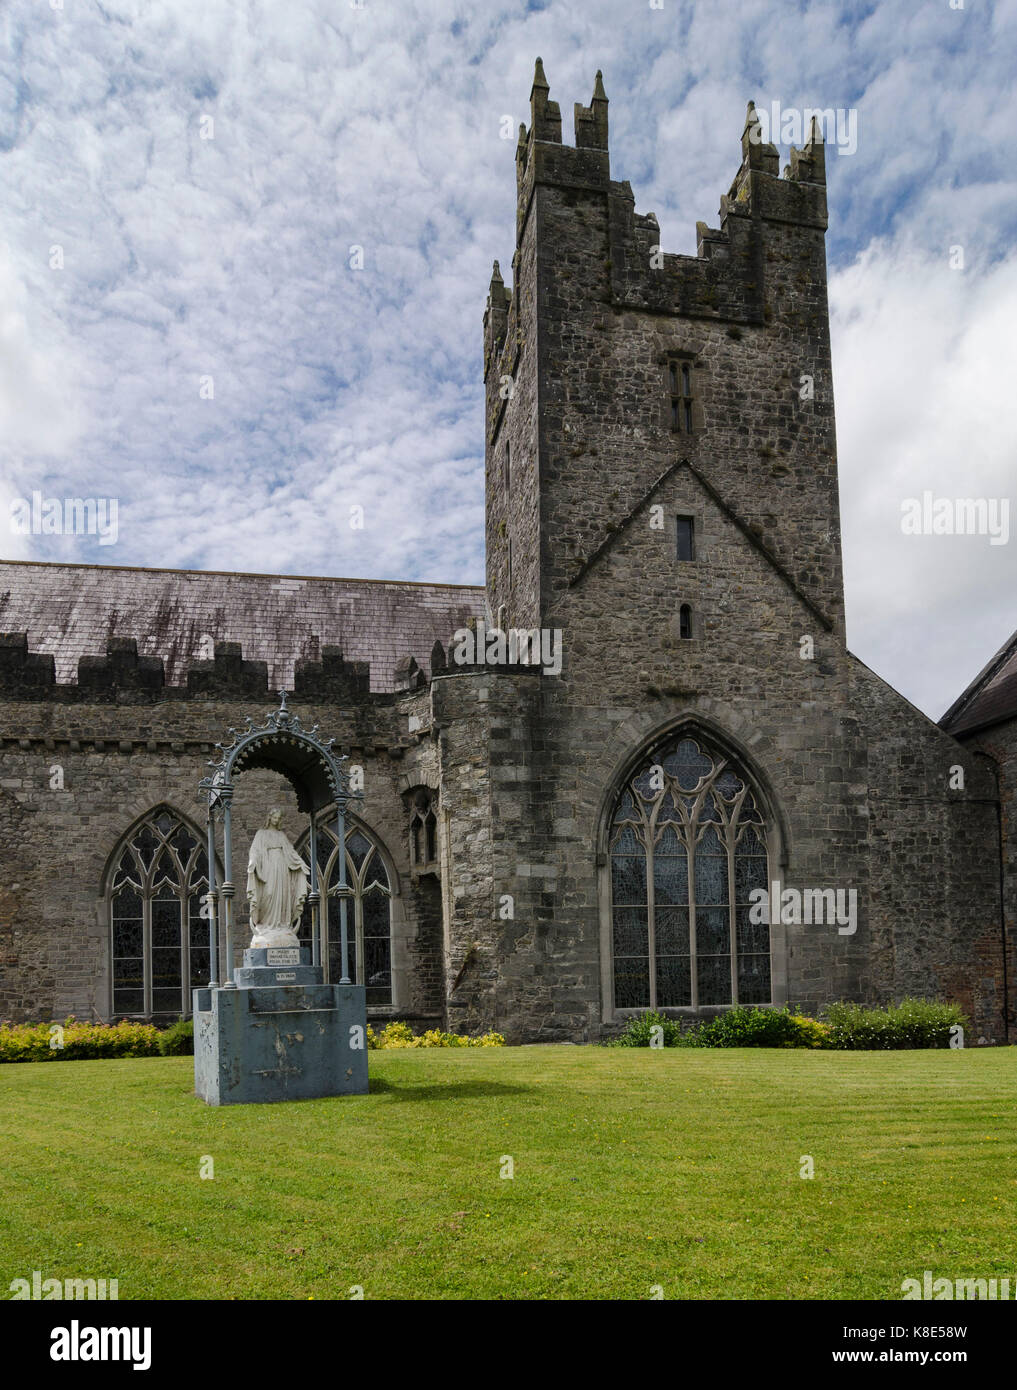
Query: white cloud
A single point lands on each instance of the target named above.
(40, 410)
(333, 126)
(925, 402)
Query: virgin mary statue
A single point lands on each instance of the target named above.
(277, 884)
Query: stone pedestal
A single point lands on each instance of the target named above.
(281, 1034)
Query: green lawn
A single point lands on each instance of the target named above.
(633, 1168)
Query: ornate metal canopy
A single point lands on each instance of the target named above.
(283, 745)
(320, 781)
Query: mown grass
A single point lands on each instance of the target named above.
(632, 1169)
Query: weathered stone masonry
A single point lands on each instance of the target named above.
(124, 743)
(510, 927)
(858, 780)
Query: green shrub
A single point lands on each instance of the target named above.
(641, 1031)
(746, 1026)
(397, 1034)
(811, 1032)
(178, 1040)
(738, 1027)
(910, 1024)
(72, 1041)
(30, 1042)
(434, 1037)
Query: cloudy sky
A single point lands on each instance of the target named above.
(184, 326)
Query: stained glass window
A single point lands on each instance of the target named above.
(688, 848)
(368, 913)
(158, 935)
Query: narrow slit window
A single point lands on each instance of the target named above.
(679, 377)
(685, 621)
(424, 830)
(686, 538)
(508, 463)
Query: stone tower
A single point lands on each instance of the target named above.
(662, 496)
(662, 488)
(613, 368)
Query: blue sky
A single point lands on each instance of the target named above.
(186, 257)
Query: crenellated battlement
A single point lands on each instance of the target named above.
(496, 318)
(332, 678)
(22, 671)
(591, 121)
(545, 115)
(724, 280)
(122, 676)
(228, 675)
(121, 669)
(609, 356)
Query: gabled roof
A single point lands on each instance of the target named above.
(72, 611)
(991, 697)
(750, 534)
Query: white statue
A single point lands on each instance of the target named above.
(277, 884)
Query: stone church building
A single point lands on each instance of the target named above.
(549, 839)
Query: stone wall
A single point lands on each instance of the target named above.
(855, 778)
(997, 748)
(511, 929)
(934, 861)
(76, 774)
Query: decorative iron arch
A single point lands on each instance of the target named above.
(321, 783)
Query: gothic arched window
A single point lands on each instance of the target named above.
(423, 829)
(159, 939)
(368, 916)
(688, 846)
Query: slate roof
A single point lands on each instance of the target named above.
(991, 697)
(72, 610)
